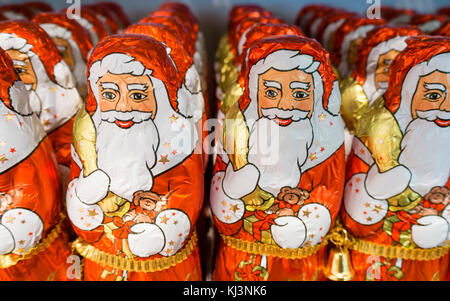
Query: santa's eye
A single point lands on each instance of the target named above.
(21, 70)
(387, 61)
(271, 93)
(433, 96)
(138, 96)
(109, 95)
(300, 94)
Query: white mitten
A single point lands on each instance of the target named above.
(25, 229)
(430, 232)
(288, 232)
(93, 188)
(383, 185)
(146, 239)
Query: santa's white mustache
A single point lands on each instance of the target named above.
(432, 115)
(383, 85)
(135, 116)
(294, 114)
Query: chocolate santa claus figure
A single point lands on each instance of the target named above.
(396, 201)
(369, 79)
(54, 97)
(72, 41)
(277, 188)
(32, 245)
(136, 184)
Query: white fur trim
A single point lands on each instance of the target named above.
(430, 232)
(359, 32)
(239, 183)
(146, 239)
(288, 232)
(383, 185)
(334, 100)
(398, 44)
(63, 75)
(93, 188)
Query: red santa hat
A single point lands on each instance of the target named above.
(261, 31)
(169, 38)
(16, 12)
(329, 24)
(423, 55)
(309, 56)
(396, 15)
(78, 33)
(28, 36)
(177, 26)
(378, 41)
(304, 16)
(38, 7)
(428, 22)
(89, 20)
(108, 18)
(444, 30)
(117, 10)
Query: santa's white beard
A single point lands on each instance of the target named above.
(279, 152)
(425, 152)
(127, 155)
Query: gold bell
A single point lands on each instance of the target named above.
(339, 266)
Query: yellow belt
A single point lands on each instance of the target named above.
(127, 264)
(271, 250)
(386, 251)
(10, 260)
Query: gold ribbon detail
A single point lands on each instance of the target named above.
(386, 251)
(10, 260)
(271, 250)
(127, 264)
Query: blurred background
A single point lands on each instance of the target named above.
(213, 14)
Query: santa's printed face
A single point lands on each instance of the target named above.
(126, 93)
(23, 66)
(285, 96)
(66, 51)
(431, 100)
(353, 50)
(382, 69)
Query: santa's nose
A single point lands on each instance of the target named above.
(285, 104)
(445, 105)
(123, 105)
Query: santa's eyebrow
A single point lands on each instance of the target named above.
(299, 85)
(141, 87)
(435, 86)
(19, 62)
(272, 84)
(108, 85)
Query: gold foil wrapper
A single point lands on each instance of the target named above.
(353, 102)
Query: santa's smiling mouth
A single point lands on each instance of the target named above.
(282, 121)
(125, 124)
(442, 122)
